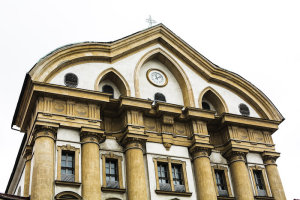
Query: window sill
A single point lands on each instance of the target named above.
(74, 184)
(185, 194)
(225, 198)
(263, 198)
(118, 190)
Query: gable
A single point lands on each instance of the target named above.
(192, 71)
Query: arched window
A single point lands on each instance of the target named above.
(244, 110)
(159, 97)
(71, 80)
(108, 89)
(68, 195)
(205, 105)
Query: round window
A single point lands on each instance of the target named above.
(71, 80)
(244, 110)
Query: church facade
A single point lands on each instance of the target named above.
(143, 117)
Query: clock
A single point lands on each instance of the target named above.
(157, 77)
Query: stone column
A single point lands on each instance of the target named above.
(43, 169)
(240, 176)
(273, 176)
(203, 174)
(27, 156)
(90, 164)
(135, 170)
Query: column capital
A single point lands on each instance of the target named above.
(41, 130)
(236, 155)
(89, 135)
(198, 151)
(270, 158)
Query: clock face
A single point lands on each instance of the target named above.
(157, 77)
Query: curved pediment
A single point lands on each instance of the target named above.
(112, 52)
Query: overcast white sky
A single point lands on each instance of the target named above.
(259, 40)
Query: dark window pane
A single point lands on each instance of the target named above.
(178, 178)
(67, 166)
(159, 97)
(205, 106)
(111, 173)
(259, 182)
(221, 182)
(71, 80)
(244, 110)
(108, 89)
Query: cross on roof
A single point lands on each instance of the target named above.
(150, 21)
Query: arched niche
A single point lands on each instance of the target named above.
(68, 195)
(212, 97)
(173, 67)
(113, 78)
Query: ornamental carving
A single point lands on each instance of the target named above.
(59, 106)
(81, 110)
(92, 137)
(234, 156)
(45, 131)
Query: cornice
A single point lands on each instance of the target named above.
(113, 50)
(232, 119)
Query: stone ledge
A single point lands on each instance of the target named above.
(74, 184)
(118, 190)
(185, 194)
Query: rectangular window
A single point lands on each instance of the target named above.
(111, 171)
(178, 178)
(163, 176)
(259, 182)
(67, 166)
(221, 182)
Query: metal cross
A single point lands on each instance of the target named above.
(150, 21)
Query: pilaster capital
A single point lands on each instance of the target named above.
(270, 158)
(88, 135)
(236, 155)
(41, 130)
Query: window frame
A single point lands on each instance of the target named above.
(68, 155)
(169, 162)
(228, 186)
(76, 152)
(265, 180)
(119, 160)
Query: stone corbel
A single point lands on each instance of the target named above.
(167, 130)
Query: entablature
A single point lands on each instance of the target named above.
(162, 122)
